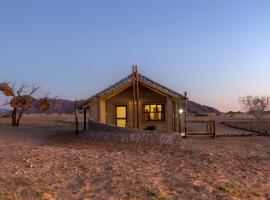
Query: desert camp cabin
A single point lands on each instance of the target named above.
(136, 102)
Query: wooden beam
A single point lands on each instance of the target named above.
(179, 123)
(175, 116)
(138, 97)
(153, 89)
(214, 130)
(200, 121)
(116, 92)
(134, 94)
(199, 133)
(186, 110)
(76, 121)
(84, 119)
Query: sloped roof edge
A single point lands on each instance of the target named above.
(119, 84)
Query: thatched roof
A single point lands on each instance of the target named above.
(128, 80)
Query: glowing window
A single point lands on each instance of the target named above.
(154, 112)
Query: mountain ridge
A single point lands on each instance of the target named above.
(64, 106)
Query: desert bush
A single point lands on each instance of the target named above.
(256, 105)
(21, 100)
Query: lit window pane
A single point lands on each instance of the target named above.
(152, 116)
(154, 112)
(121, 123)
(159, 108)
(121, 112)
(146, 108)
(153, 108)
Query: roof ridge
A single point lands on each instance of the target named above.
(125, 81)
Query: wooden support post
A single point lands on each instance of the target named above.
(84, 119)
(76, 120)
(179, 123)
(173, 122)
(186, 110)
(214, 129)
(134, 95)
(138, 97)
(209, 127)
(175, 117)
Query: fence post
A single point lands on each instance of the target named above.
(214, 129)
(76, 121)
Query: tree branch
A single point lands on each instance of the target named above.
(20, 90)
(34, 89)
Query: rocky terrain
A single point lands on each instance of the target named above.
(197, 108)
(59, 106)
(43, 159)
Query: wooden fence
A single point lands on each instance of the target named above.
(259, 127)
(210, 128)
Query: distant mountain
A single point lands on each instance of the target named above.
(4, 110)
(235, 113)
(60, 106)
(197, 108)
(63, 106)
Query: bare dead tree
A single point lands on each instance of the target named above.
(22, 100)
(256, 105)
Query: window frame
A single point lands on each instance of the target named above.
(155, 104)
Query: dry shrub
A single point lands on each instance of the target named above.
(44, 104)
(6, 89)
(21, 101)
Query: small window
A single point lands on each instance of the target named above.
(154, 112)
(146, 108)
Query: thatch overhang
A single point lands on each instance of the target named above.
(127, 81)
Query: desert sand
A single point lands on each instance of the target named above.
(43, 159)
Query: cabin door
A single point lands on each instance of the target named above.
(121, 116)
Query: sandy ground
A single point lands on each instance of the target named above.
(43, 159)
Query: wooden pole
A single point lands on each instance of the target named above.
(138, 97)
(186, 110)
(175, 119)
(84, 119)
(134, 94)
(180, 128)
(214, 129)
(76, 120)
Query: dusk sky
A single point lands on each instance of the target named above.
(215, 50)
